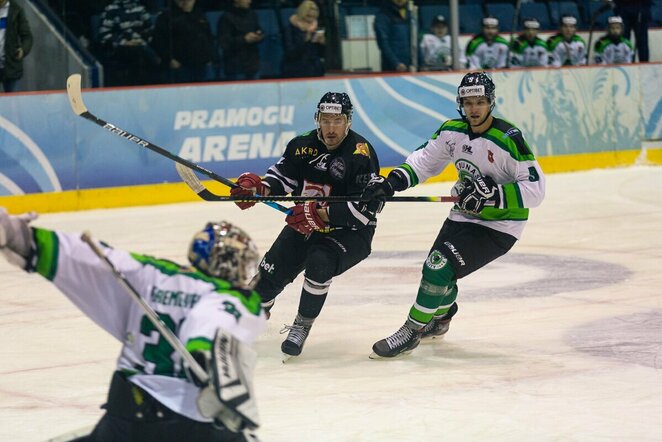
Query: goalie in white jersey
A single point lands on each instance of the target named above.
(210, 307)
(499, 180)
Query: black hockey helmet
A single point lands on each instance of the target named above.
(475, 84)
(335, 103)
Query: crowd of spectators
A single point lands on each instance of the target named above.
(177, 41)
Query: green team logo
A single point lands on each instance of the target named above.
(436, 260)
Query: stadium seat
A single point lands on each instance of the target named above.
(213, 17)
(656, 13)
(601, 17)
(427, 12)
(557, 9)
(504, 12)
(539, 11)
(471, 17)
(271, 48)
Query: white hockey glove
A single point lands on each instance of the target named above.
(229, 396)
(16, 237)
(476, 193)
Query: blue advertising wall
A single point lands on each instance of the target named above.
(236, 127)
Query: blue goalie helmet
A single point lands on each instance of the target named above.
(225, 251)
(475, 84)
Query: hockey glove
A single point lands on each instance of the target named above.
(16, 237)
(305, 219)
(229, 397)
(475, 193)
(378, 188)
(249, 185)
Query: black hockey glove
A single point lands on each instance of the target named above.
(375, 194)
(475, 193)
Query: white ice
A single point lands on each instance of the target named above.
(560, 340)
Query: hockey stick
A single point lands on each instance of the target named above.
(78, 106)
(172, 339)
(196, 185)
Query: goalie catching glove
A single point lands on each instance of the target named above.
(16, 237)
(228, 398)
(305, 219)
(248, 184)
(474, 193)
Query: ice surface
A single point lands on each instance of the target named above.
(560, 340)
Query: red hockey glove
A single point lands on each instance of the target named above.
(305, 219)
(249, 185)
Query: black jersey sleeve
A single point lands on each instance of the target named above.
(356, 215)
(284, 176)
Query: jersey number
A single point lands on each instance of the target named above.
(533, 174)
(159, 354)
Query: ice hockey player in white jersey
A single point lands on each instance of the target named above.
(566, 48)
(529, 50)
(487, 50)
(499, 180)
(614, 48)
(153, 395)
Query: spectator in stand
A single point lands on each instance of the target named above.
(636, 14)
(529, 50)
(124, 34)
(239, 35)
(15, 44)
(566, 48)
(304, 43)
(435, 47)
(183, 40)
(614, 48)
(487, 50)
(394, 36)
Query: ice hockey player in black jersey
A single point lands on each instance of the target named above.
(323, 240)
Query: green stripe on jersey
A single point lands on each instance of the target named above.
(199, 344)
(512, 196)
(413, 178)
(506, 143)
(455, 126)
(252, 302)
(492, 214)
(48, 246)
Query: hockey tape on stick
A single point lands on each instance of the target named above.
(172, 339)
(196, 185)
(76, 100)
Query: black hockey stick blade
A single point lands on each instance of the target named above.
(196, 185)
(78, 106)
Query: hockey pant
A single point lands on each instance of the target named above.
(132, 414)
(460, 249)
(320, 255)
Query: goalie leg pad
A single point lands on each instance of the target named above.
(229, 396)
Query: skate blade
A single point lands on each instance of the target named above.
(430, 338)
(375, 356)
(287, 357)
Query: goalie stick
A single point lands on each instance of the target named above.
(76, 100)
(191, 180)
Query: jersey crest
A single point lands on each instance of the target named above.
(362, 149)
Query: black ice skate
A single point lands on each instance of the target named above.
(439, 325)
(298, 332)
(401, 342)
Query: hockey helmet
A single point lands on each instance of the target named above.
(223, 250)
(335, 103)
(475, 84)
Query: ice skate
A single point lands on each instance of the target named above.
(402, 341)
(298, 333)
(439, 325)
